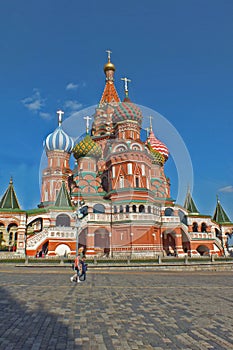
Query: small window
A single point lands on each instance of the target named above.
(195, 227)
(113, 172)
(121, 182)
(143, 170)
(130, 170)
(134, 208)
(63, 220)
(141, 209)
(203, 227)
(137, 181)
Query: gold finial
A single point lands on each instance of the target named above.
(87, 118)
(60, 114)
(126, 80)
(109, 66)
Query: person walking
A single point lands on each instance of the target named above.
(75, 277)
(83, 269)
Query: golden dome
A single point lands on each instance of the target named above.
(109, 66)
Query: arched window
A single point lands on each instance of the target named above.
(63, 220)
(195, 227)
(141, 209)
(98, 208)
(121, 182)
(136, 181)
(115, 209)
(127, 208)
(169, 212)
(203, 227)
(121, 209)
(134, 208)
(149, 209)
(10, 237)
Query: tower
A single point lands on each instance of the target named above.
(58, 146)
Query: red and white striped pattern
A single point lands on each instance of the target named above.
(157, 145)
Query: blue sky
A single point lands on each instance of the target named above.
(178, 55)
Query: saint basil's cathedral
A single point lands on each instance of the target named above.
(116, 201)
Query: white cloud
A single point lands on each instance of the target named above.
(71, 86)
(46, 116)
(226, 189)
(34, 103)
(73, 105)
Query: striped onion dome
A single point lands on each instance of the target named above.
(127, 110)
(156, 146)
(87, 148)
(59, 140)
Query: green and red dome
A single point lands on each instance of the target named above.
(127, 110)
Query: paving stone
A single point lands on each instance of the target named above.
(131, 309)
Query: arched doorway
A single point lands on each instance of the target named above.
(62, 250)
(102, 240)
(203, 250)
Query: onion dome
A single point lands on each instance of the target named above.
(87, 148)
(59, 140)
(157, 148)
(127, 110)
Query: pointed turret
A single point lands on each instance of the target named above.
(189, 204)
(220, 215)
(110, 94)
(9, 199)
(63, 199)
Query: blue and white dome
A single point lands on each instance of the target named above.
(59, 140)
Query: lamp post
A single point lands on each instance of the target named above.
(131, 244)
(153, 234)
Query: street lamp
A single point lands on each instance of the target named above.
(131, 244)
(153, 234)
(79, 215)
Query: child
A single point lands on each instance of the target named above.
(83, 268)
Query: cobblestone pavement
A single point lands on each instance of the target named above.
(118, 309)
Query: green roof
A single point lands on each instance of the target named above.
(189, 204)
(220, 215)
(63, 198)
(9, 199)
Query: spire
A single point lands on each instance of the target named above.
(60, 114)
(63, 199)
(189, 204)
(110, 94)
(9, 199)
(220, 215)
(126, 80)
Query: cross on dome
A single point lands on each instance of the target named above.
(60, 114)
(126, 80)
(87, 118)
(150, 117)
(109, 55)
